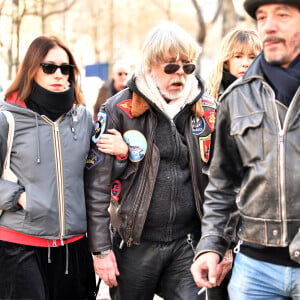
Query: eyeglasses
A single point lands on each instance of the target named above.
(122, 73)
(172, 68)
(51, 68)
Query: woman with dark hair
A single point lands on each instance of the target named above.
(43, 248)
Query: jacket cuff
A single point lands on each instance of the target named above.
(16, 198)
(122, 157)
(212, 243)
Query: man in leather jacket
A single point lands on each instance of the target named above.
(154, 207)
(257, 153)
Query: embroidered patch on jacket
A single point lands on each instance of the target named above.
(137, 144)
(198, 126)
(210, 117)
(126, 107)
(204, 143)
(208, 100)
(100, 126)
(115, 189)
(93, 159)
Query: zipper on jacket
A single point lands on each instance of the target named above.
(282, 130)
(59, 174)
(282, 184)
(281, 166)
(58, 160)
(172, 215)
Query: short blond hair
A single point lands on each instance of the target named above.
(167, 38)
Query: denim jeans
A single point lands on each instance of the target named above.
(253, 279)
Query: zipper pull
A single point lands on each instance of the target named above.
(238, 247)
(189, 240)
(129, 242)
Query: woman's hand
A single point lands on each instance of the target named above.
(22, 200)
(112, 143)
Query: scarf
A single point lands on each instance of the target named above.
(50, 104)
(227, 79)
(148, 87)
(284, 81)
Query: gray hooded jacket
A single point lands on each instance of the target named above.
(48, 158)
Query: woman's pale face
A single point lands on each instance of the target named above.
(56, 82)
(239, 63)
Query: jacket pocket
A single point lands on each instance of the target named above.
(248, 133)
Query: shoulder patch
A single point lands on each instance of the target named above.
(115, 189)
(137, 144)
(210, 117)
(100, 126)
(126, 107)
(198, 126)
(204, 144)
(208, 100)
(93, 159)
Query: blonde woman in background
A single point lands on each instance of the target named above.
(238, 50)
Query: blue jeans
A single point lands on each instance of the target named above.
(253, 279)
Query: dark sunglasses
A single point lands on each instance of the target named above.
(51, 68)
(122, 73)
(172, 68)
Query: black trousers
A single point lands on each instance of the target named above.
(26, 273)
(155, 268)
(219, 292)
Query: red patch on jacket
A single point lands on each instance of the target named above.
(115, 190)
(204, 143)
(126, 107)
(210, 117)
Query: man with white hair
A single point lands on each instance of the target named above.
(120, 75)
(155, 205)
(255, 166)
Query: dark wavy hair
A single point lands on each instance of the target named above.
(35, 54)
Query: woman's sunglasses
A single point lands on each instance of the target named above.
(172, 68)
(51, 68)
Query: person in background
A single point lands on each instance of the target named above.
(256, 158)
(239, 47)
(155, 205)
(120, 75)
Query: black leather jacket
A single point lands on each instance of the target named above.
(256, 149)
(129, 196)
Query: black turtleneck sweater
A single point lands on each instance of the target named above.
(48, 103)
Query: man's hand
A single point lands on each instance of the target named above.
(112, 143)
(204, 269)
(224, 266)
(106, 268)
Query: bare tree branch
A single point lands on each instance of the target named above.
(202, 28)
(59, 11)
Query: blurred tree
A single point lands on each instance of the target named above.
(230, 17)
(44, 9)
(165, 8)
